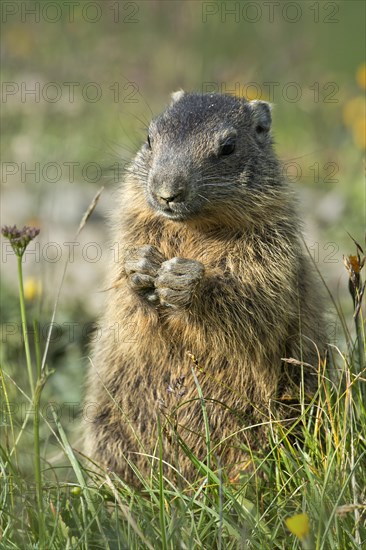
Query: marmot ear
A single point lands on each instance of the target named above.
(262, 119)
(176, 96)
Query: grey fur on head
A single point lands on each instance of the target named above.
(199, 149)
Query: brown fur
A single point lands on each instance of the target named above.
(255, 304)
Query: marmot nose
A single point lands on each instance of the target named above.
(167, 197)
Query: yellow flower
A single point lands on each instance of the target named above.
(354, 110)
(32, 288)
(359, 133)
(247, 91)
(361, 76)
(299, 525)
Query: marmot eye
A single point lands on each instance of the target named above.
(148, 141)
(227, 147)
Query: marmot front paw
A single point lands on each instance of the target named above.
(177, 280)
(141, 266)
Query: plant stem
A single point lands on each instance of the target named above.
(361, 352)
(24, 324)
(360, 341)
(37, 348)
(164, 543)
(36, 396)
(37, 460)
(37, 449)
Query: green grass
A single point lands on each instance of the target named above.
(67, 503)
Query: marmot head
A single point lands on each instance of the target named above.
(208, 156)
